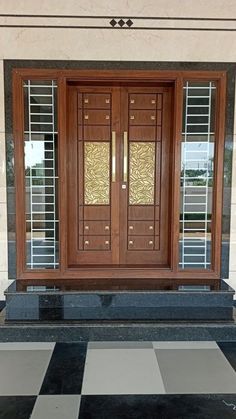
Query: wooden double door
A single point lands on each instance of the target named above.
(119, 183)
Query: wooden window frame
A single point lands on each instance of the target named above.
(172, 275)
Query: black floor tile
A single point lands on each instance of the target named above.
(229, 350)
(158, 407)
(16, 407)
(66, 368)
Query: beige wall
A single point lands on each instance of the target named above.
(201, 8)
(103, 44)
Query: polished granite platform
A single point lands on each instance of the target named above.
(104, 380)
(49, 301)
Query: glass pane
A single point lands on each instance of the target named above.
(197, 174)
(41, 174)
(141, 173)
(96, 173)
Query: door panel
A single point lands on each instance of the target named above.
(92, 205)
(141, 101)
(94, 132)
(140, 243)
(96, 212)
(118, 154)
(145, 193)
(96, 243)
(97, 100)
(100, 228)
(142, 117)
(142, 173)
(139, 212)
(145, 228)
(96, 173)
(94, 117)
(142, 133)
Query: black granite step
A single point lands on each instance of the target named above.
(117, 331)
(60, 303)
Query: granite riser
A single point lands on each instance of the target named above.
(117, 331)
(119, 313)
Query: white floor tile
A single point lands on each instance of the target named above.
(199, 371)
(120, 345)
(186, 345)
(27, 346)
(122, 371)
(56, 407)
(22, 372)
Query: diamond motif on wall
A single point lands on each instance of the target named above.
(121, 23)
(129, 23)
(113, 22)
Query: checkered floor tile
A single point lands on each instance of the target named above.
(118, 380)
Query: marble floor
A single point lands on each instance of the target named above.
(111, 380)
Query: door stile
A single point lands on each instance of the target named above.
(18, 133)
(115, 175)
(123, 189)
(164, 165)
(175, 173)
(72, 151)
(219, 172)
(62, 170)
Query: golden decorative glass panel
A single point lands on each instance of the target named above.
(141, 173)
(96, 173)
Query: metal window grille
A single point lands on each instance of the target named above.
(41, 174)
(197, 175)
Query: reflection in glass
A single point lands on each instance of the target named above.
(197, 175)
(41, 177)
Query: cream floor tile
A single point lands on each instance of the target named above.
(24, 346)
(120, 345)
(186, 345)
(22, 372)
(56, 407)
(122, 371)
(186, 371)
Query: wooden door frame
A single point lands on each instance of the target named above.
(210, 276)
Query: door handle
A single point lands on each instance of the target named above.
(125, 158)
(113, 160)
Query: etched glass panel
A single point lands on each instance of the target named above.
(41, 177)
(197, 174)
(141, 173)
(96, 173)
